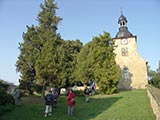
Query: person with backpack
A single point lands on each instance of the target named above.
(48, 103)
(70, 102)
(55, 94)
(86, 93)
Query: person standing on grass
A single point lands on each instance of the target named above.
(86, 93)
(70, 102)
(48, 103)
(17, 94)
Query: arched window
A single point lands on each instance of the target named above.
(126, 75)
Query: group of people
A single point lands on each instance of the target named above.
(51, 100)
(70, 99)
(52, 96)
(89, 91)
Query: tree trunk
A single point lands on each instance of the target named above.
(43, 92)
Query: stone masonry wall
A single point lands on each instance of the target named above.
(154, 104)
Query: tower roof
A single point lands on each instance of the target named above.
(123, 29)
(122, 17)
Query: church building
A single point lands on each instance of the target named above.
(134, 67)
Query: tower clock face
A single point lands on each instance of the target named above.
(124, 41)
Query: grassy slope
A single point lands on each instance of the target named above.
(128, 105)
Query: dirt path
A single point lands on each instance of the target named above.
(32, 100)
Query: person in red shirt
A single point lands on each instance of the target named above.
(70, 102)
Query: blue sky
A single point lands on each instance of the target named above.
(82, 19)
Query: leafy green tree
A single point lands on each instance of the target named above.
(84, 67)
(96, 61)
(69, 54)
(150, 73)
(48, 63)
(154, 77)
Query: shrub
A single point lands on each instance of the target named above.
(38, 88)
(6, 100)
(155, 81)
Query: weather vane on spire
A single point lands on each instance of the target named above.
(121, 11)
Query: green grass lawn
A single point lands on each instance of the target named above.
(127, 105)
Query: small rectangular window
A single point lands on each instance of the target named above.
(126, 75)
(124, 51)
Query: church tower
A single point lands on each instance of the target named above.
(132, 64)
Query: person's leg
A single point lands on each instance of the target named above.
(16, 101)
(46, 110)
(54, 103)
(69, 110)
(87, 98)
(50, 110)
(93, 92)
(19, 101)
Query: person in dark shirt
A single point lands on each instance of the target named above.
(48, 103)
(86, 93)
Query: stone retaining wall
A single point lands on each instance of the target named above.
(154, 104)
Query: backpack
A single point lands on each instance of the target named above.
(49, 98)
(55, 94)
(86, 91)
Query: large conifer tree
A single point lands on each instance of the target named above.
(49, 59)
(29, 50)
(39, 46)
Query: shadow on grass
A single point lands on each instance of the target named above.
(96, 106)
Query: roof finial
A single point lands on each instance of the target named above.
(121, 11)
